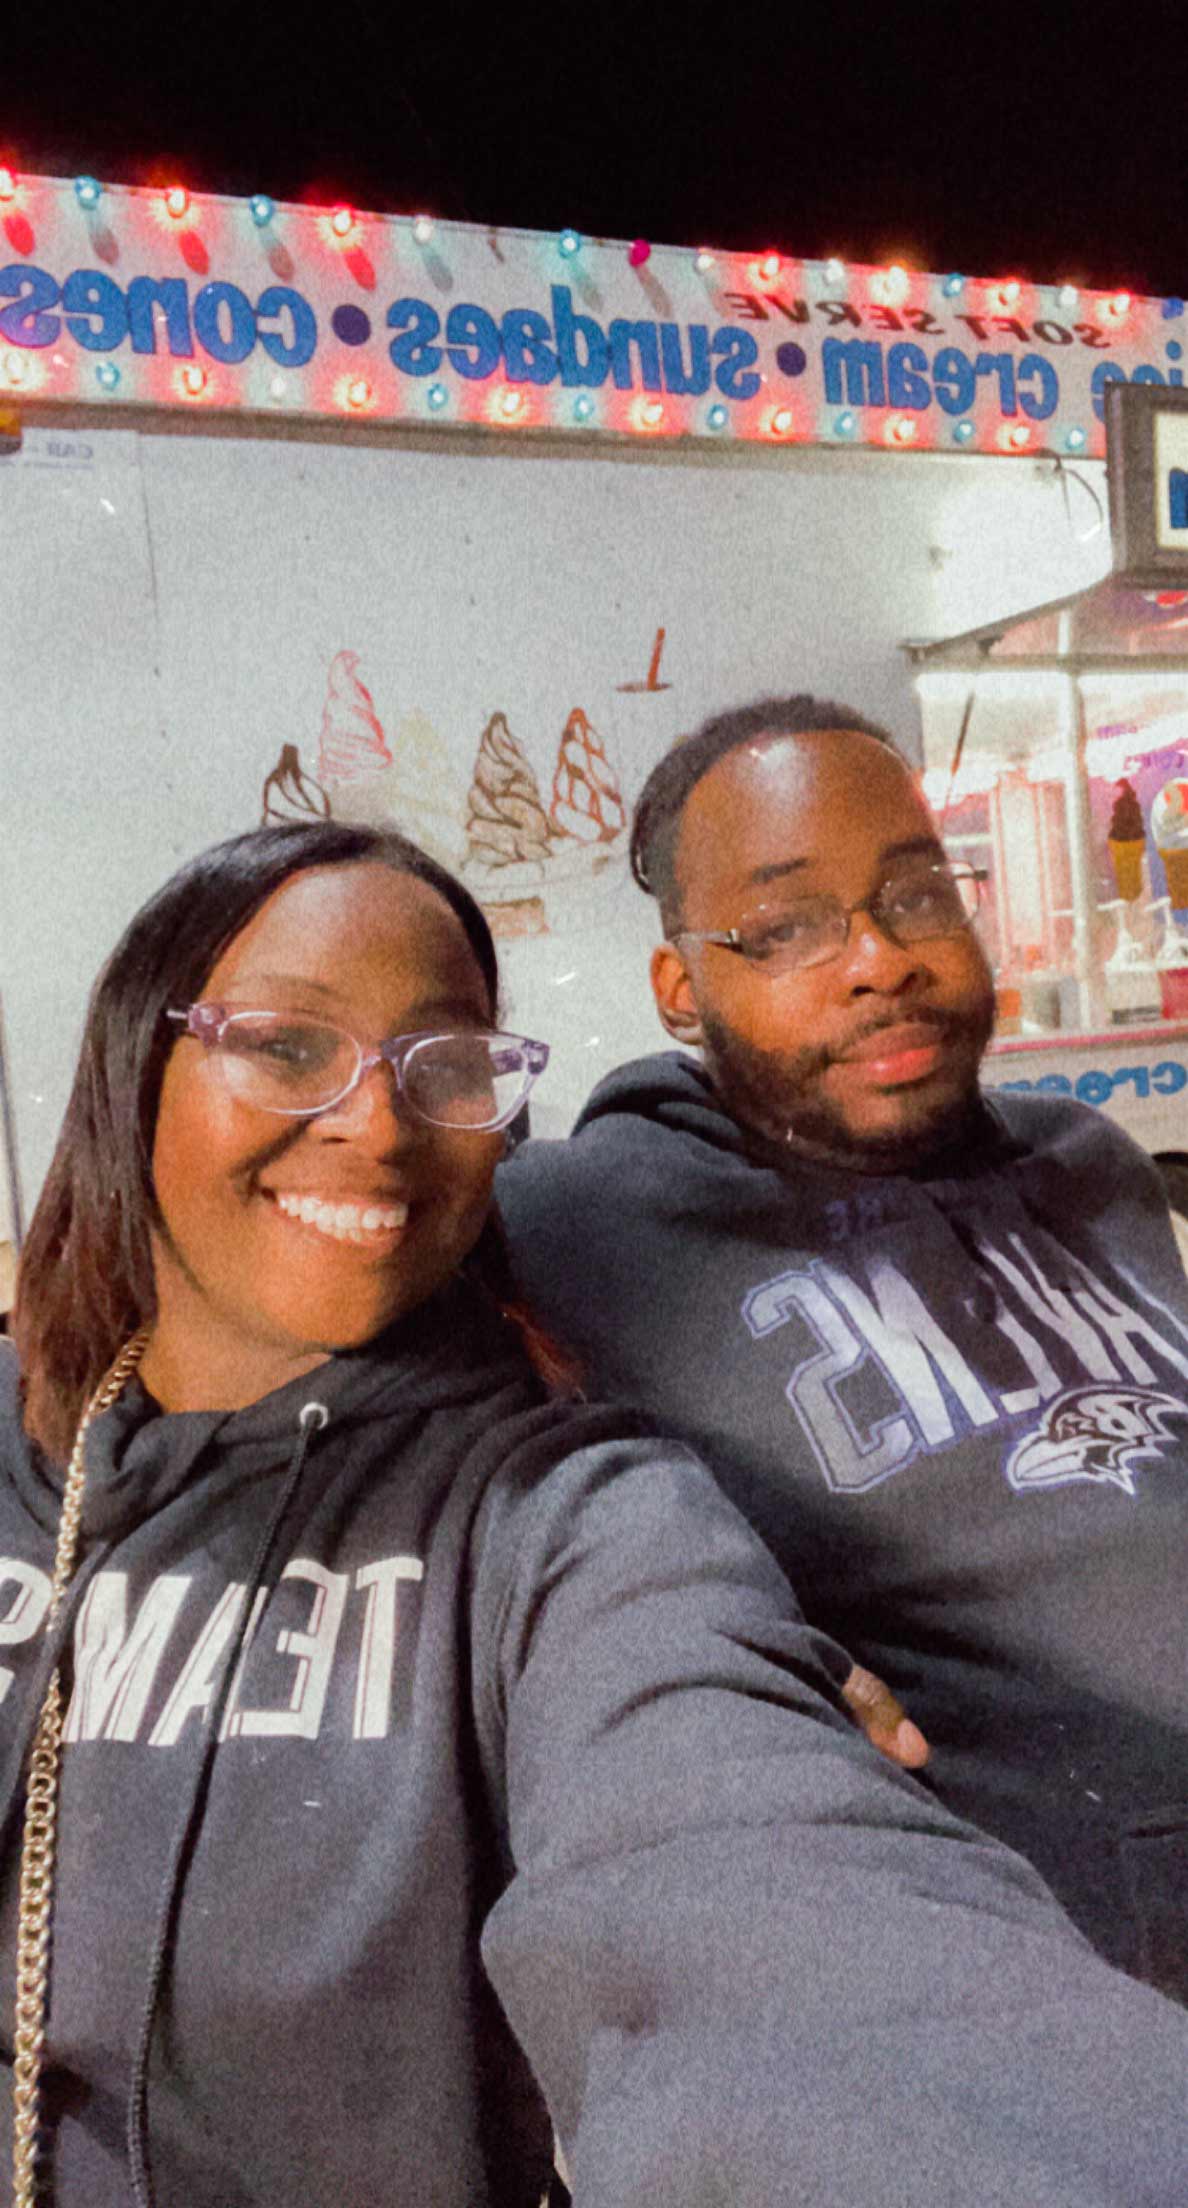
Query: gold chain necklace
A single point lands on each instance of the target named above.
(41, 1813)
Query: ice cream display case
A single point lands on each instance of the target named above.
(1055, 750)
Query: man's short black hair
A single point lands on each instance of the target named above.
(662, 799)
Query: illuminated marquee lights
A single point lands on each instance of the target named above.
(890, 287)
(183, 308)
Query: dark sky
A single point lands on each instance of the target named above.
(1004, 139)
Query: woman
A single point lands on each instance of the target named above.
(363, 1653)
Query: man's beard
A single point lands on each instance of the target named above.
(779, 1097)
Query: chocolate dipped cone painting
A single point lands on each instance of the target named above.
(508, 834)
(586, 800)
(291, 794)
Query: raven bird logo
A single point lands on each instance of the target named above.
(1094, 1434)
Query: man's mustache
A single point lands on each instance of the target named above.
(950, 1027)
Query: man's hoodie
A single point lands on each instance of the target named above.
(955, 1404)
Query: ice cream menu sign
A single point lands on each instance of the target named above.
(1148, 477)
(130, 297)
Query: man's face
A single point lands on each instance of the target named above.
(871, 1059)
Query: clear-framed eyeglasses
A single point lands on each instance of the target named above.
(916, 904)
(298, 1065)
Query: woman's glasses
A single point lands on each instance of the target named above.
(298, 1065)
(915, 906)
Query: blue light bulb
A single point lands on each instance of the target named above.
(717, 417)
(437, 397)
(953, 286)
(1076, 440)
(963, 434)
(845, 424)
(263, 209)
(568, 244)
(88, 191)
(583, 407)
(107, 375)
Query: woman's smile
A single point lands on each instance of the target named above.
(375, 1224)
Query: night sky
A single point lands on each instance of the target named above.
(1036, 141)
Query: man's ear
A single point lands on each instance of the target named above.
(673, 992)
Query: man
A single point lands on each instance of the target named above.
(935, 1345)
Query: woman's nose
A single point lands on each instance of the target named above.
(373, 1112)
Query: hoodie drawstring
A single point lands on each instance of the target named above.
(314, 1416)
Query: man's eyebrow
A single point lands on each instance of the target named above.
(909, 848)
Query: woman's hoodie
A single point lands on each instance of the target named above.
(422, 1735)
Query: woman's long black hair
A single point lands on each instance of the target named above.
(85, 1281)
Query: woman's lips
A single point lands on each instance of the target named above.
(894, 1057)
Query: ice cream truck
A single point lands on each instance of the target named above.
(1055, 748)
(312, 512)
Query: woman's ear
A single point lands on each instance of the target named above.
(673, 991)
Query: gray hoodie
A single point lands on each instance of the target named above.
(955, 1404)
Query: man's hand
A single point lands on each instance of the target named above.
(873, 1706)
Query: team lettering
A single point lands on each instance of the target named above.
(146, 1674)
(1078, 1323)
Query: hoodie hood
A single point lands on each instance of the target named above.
(674, 1092)
(454, 1349)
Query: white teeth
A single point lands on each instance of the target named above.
(343, 1222)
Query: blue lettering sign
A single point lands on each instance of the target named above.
(96, 316)
(416, 324)
(472, 341)
(300, 344)
(27, 321)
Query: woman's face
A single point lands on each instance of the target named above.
(250, 1291)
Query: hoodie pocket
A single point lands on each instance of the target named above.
(1155, 1867)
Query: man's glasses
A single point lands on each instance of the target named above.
(911, 907)
(290, 1063)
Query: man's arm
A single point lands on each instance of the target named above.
(749, 1961)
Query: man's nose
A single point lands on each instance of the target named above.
(874, 960)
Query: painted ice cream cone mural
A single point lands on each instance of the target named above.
(421, 792)
(291, 794)
(651, 681)
(586, 799)
(1127, 842)
(507, 833)
(1169, 827)
(352, 741)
